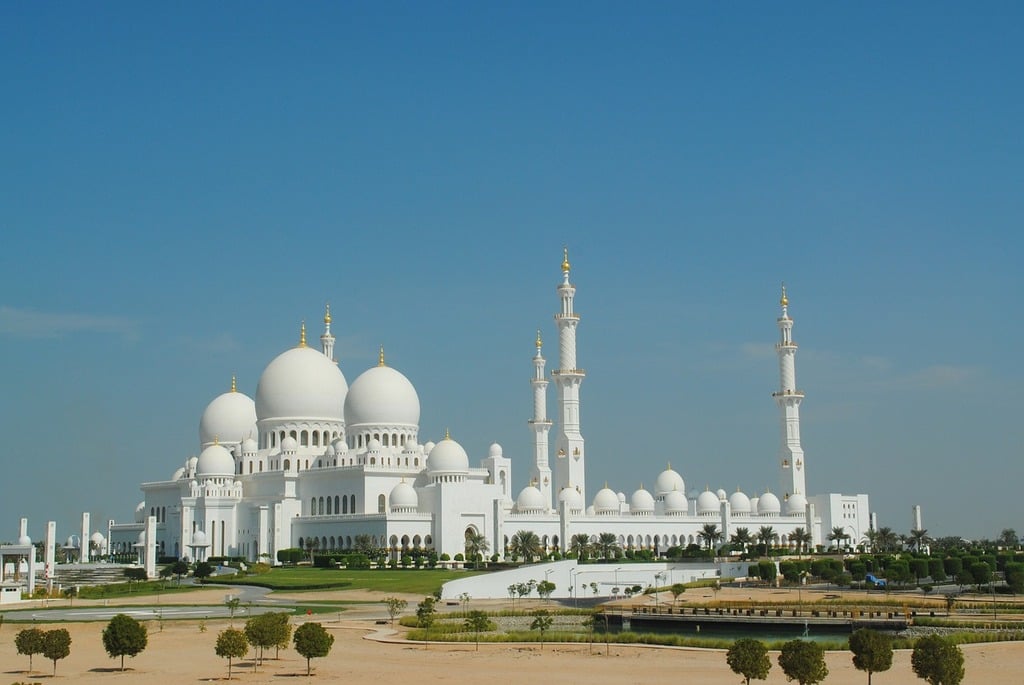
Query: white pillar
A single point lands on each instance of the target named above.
(23, 528)
(917, 517)
(150, 553)
(50, 551)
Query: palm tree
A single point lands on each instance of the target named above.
(477, 545)
(871, 539)
(741, 537)
(766, 536)
(888, 540)
(312, 544)
(837, 536)
(709, 534)
(607, 545)
(579, 546)
(801, 537)
(919, 538)
(525, 544)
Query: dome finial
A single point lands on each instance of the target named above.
(447, 435)
(302, 334)
(216, 440)
(565, 260)
(234, 384)
(327, 314)
(380, 357)
(784, 301)
(538, 343)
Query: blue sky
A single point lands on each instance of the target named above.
(180, 186)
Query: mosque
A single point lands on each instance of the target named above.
(313, 460)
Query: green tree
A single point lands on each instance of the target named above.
(872, 651)
(363, 544)
(542, 621)
(180, 568)
(124, 636)
(29, 642)
(312, 641)
(56, 645)
(607, 545)
(267, 630)
(202, 570)
(766, 536)
(676, 590)
(579, 546)
(1014, 575)
(478, 622)
(981, 572)
(919, 538)
(526, 545)
(749, 658)
(838, 536)
(802, 538)
(477, 545)
(742, 537)
(134, 574)
(545, 588)
(425, 612)
(709, 535)
(231, 644)
(395, 606)
(937, 661)
(1008, 539)
(803, 661)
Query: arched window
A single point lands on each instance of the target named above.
(163, 514)
(330, 507)
(261, 466)
(352, 506)
(381, 504)
(320, 509)
(312, 506)
(295, 435)
(287, 464)
(336, 510)
(300, 543)
(344, 502)
(250, 467)
(304, 438)
(316, 439)
(385, 440)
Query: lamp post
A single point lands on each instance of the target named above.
(659, 576)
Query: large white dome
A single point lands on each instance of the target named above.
(641, 502)
(768, 504)
(796, 504)
(229, 418)
(572, 497)
(606, 501)
(404, 497)
(448, 456)
(707, 503)
(739, 503)
(668, 480)
(675, 503)
(530, 500)
(215, 460)
(381, 396)
(301, 383)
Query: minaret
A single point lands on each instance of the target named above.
(541, 472)
(569, 465)
(789, 398)
(327, 340)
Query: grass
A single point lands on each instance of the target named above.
(135, 589)
(422, 582)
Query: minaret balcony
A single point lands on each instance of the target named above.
(787, 346)
(573, 317)
(569, 372)
(540, 422)
(788, 393)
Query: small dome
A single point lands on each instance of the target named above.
(24, 541)
(373, 445)
(190, 465)
(572, 497)
(330, 451)
(621, 497)
(448, 456)
(707, 503)
(215, 460)
(71, 542)
(178, 474)
(140, 514)
(142, 538)
(381, 396)
(722, 495)
(590, 510)
(289, 444)
(796, 504)
(495, 450)
(768, 504)
(530, 500)
(753, 504)
(739, 503)
(411, 448)
(641, 502)
(428, 447)
(403, 496)
(97, 537)
(675, 503)
(301, 383)
(199, 539)
(229, 418)
(668, 480)
(606, 501)
(340, 446)
(249, 446)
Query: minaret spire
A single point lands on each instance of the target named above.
(570, 465)
(788, 399)
(541, 426)
(327, 340)
(302, 335)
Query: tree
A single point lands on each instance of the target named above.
(545, 588)
(478, 622)
(231, 644)
(579, 546)
(886, 539)
(202, 570)
(180, 568)
(363, 544)
(525, 544)
(395, 606)
(709, 534)
(1008, 538)
(477, 545)
(802, 538)
(749, 658)
(937, 661)
(267, 630)
(608, 545)
(803, 661)
(766, 536)
(676, 590)
(838, 535)
(425, 617)
(29, 642)
(312, 641)
(312, 543)
(872, 651)
(541, 621)
(742, 537)
(56, 645)
(919, 538)
(134, 574)
(981, 572)
(124, 636)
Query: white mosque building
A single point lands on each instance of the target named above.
(313, 458)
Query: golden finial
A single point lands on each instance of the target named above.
(380, 356)
(327, 313)
(538, 343)
(606, 485)
(447, 435)
(784, 301)
(668, 465)
(216, 440)
(565, 259)
(234, 384)
(302, 335)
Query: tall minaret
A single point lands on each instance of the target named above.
(541, 472)
(788, 398)
(327, 340)
(569, 465)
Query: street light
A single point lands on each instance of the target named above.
(657, 577)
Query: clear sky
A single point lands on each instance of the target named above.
(182, 184)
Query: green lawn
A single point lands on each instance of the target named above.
(139, 589)
(423, 582)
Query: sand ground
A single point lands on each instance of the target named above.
(364, 651)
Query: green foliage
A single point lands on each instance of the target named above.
(124, 636)
(767, 570)
(937, 661)
(803, 661)
(291, 555)
(872, 651)
(542, 621)
(202, 570)
(268, 630)
(29, 642)
(56, 645)
(477, 622)
(749, 658)
(545, 588)
(981, 572)
(395, 606)
(135, 574)
(231, 644)
(312, 641)
(1014, 575)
